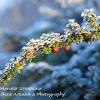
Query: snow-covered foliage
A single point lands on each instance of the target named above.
(51, 43)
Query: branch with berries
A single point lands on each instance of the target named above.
(51, 43)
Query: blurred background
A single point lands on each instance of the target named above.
(21, 20)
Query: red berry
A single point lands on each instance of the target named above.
(55, 49)
(66, 48)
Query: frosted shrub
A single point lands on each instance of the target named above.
(51, 43)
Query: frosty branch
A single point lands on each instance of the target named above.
(51, 43)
